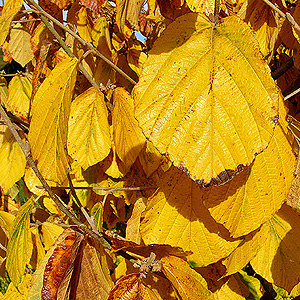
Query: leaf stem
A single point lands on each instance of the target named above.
(100, 188)
(41, 13)
(216, 10)
(26, 150)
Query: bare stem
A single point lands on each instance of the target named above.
(112, 189)
(41, 12)
(287, 15)
(26, 150)
(216, 9)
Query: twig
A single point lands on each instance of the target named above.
(292, 94)
(26, 150)
(25, 21)
(41, 13)
(216, 10)
(69, 52)
(100, 188)
(287, 15)
(73, 191)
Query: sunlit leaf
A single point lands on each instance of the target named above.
(202, 6)
(6, 221)
(278, 260)
(252, 197)
(128, 137)
(233, 289)
(253, 284)
(50, 233)
(97, 213)
(19, 293)
(131, 287)
(3, 91)
(247, 250)
(10, 8)
(82, 24)
(19, 45)
(19, 246)
(48, 127)
(189, 284)
(19, 93)
(184, 98)
(89, 136)
(175, 215)
(12, 159)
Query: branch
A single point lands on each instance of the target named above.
(287, 15)
(60, 205)
(41, 13)
(112, 189)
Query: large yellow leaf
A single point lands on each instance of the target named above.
(12, 159)
(189, 284)
(19, 93)
(175, 215)
(19, 293)
(89, 135)
(49, 124)
(278, 260)
(128, 137)
(10, 8)
(20, 245)
(205, 96)
(252, 197)
(247, 250)
(19, 45)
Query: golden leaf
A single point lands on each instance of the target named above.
(38, 249)
(175, 215)
(202, 6)
(128, 137)
(247, 250)
(19, 93)
(19, 293)
(278, 261)
(6, 221)
(184, 98)
(48, 127)
(189, 284)
(10, 8)
(50, 234)
(89, 135)
(82, 24)
(19, 248)
(252, 197)
(19, 45)
(3, 91)
(12, 159)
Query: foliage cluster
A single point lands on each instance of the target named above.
(163, 169)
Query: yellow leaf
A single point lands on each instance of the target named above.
(261, 18)
(48, 127)
(128, 137)
(3, 91)
(189, 284)
(89, 139)
(193, 99)
(19, 293)
(50, 205)
(202, 6)
(253, 284)
(6, 220)
(12, 159)
(278, 259)
(252, 197)
(19, 248)
(10, 8)
(50, 234)
(247, 250)
(19, 93)
(233, 289)
(136, 58)
(19, 45)
(38, 249)
(97, 213)
(150, 158)
(175, 215)
(133, 224)
(82, 24)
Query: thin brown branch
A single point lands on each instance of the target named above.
(216, 9)
(41, 12)
(287, 15)
(100, 188)
(26, 20)
(26, 150)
